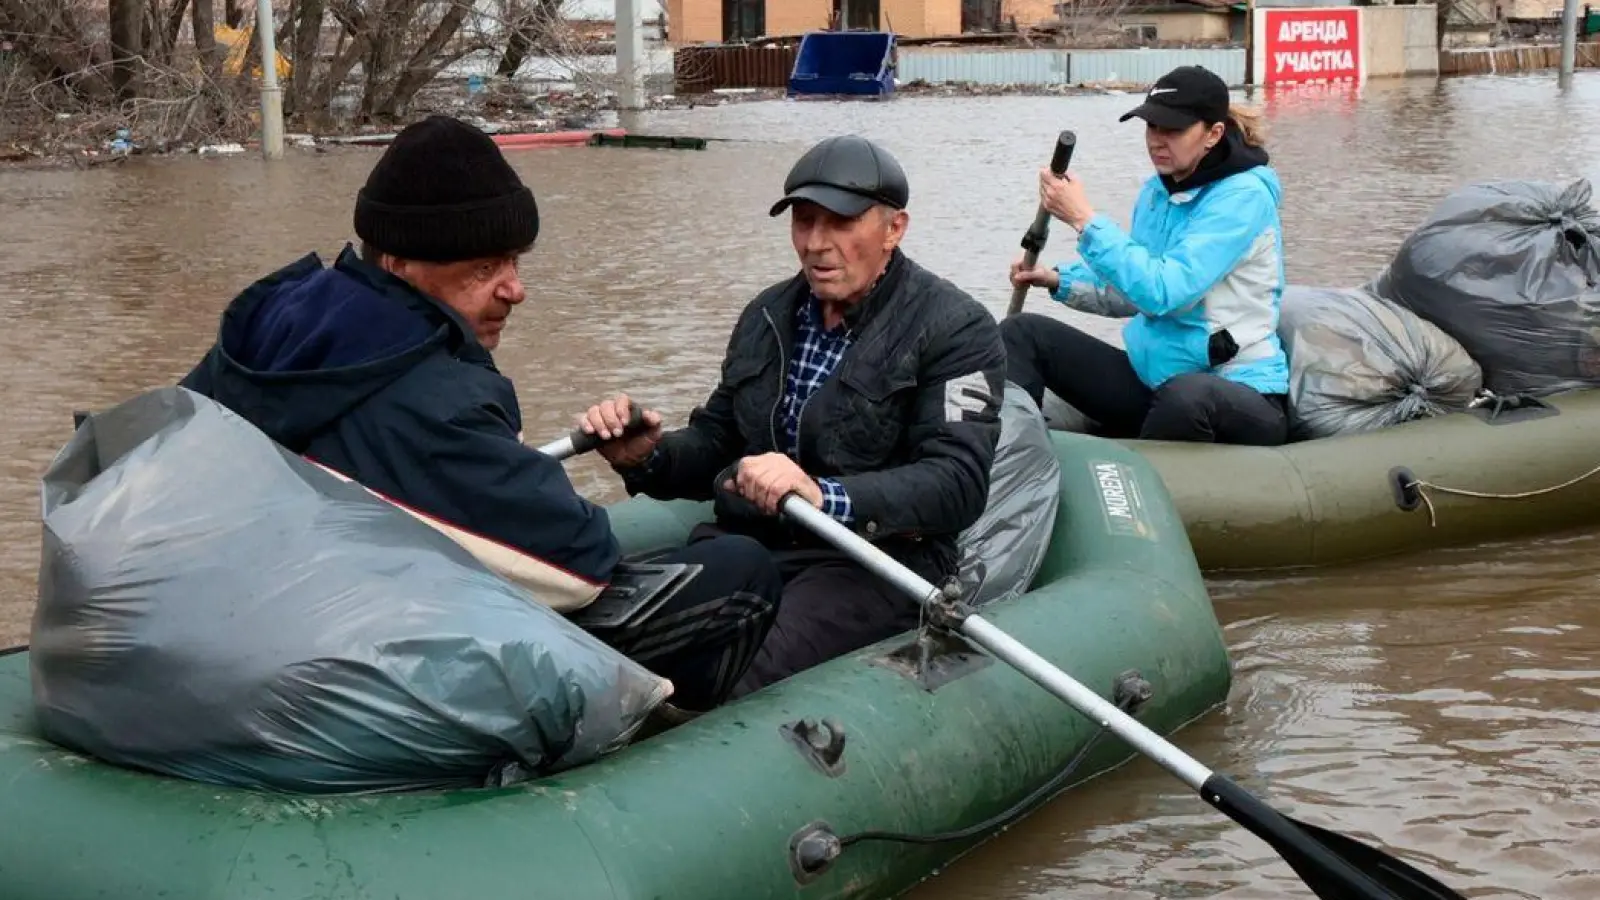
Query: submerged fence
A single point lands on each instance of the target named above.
(703, 68)
(1498, 60)
(699, 69)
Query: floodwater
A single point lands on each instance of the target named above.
(1446, 705)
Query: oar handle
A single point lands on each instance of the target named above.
(1034, 238)
(1066, 142)
(1002, 645)
(579, 442)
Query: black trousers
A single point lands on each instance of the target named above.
(705, 637)
(1099, 380)
(831, 606)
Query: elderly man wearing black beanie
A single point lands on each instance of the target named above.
(379, 369)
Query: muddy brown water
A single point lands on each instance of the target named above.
(1446, 704)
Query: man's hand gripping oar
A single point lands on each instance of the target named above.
(1333, 866)
(579, 442)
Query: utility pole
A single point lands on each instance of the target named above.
(630, 54)
(1250, 43)
(1569, 42)
(271, 94)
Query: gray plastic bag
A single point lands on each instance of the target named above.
(1511, 270)
(1003, 550)
(1358, 362)
(213, 607)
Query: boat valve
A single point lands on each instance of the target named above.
(1131, 691)
(812, 851)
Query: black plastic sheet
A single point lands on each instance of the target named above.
(1003, 550)
(1511, 270)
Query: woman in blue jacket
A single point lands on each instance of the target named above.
(1199, 277)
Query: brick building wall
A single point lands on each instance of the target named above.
(796, 16)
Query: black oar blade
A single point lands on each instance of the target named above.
(1402, 880)
(1333, 866)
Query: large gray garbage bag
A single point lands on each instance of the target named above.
(1003, 550)
(1512, 271)
(1358, 362)
(216, 608)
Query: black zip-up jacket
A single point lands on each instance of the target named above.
(908, 421)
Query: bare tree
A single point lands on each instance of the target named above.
(399, 45)
(157, 67)
(204, 26)
(1095, 23)
(531, 24)
(127, 40)
(49, 36)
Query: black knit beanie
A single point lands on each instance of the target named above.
(443, 192)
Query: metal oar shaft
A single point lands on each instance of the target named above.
(1005, 647)
(1333, 866)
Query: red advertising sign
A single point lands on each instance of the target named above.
(1307, 45)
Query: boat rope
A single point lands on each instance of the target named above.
(1422, 487)
(1128, 697)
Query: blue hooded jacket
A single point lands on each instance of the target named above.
(1197, 261)
(355, 369)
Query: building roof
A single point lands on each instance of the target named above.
(1183, 6)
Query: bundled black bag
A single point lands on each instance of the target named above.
(1358, 362)
(1511, 270)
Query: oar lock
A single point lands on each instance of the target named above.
(821, 744)
(946, 609)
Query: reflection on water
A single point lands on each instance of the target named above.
(1443, 705)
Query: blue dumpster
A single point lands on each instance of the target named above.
(844, 62)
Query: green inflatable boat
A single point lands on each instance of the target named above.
(906, 737)
(1459, 479)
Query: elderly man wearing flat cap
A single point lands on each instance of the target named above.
(865, 384)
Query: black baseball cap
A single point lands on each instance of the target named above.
(845, 175)
(1182, 97)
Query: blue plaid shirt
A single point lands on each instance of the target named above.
(817, 352)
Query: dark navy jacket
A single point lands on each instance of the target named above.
(354, 368)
